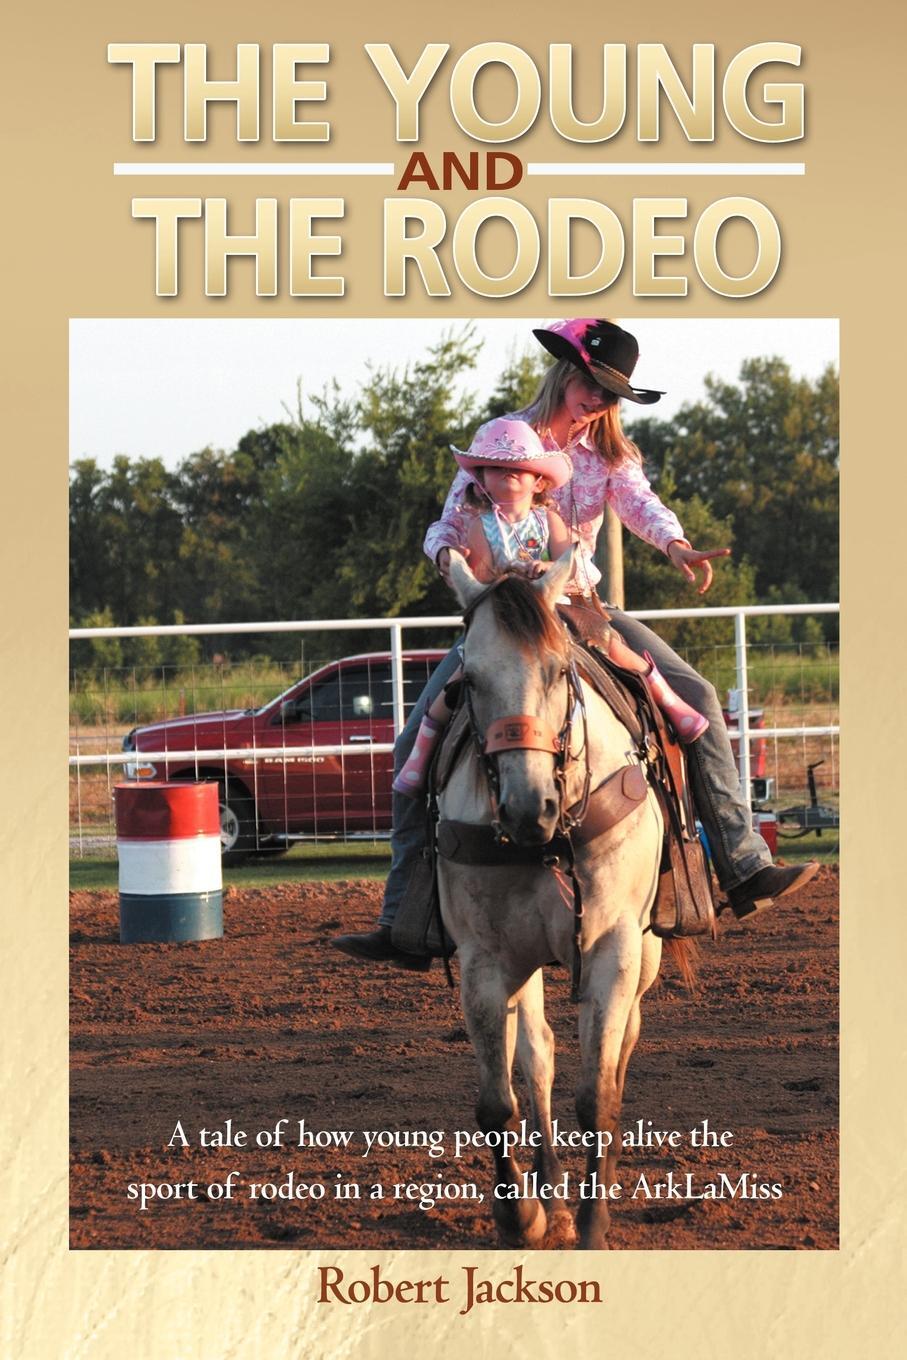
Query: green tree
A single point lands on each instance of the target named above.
(180, 649)
(652, 582)
(103, 654)
(763, 454)
(516, 386)
(219, 495)
(125, 533)
(301, 529)
(401, 475)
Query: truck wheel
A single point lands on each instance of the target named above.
(237, 825)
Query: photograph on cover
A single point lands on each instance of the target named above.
(623, 779)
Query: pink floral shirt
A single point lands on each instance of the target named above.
(581, 504)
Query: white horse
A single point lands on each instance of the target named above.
(508, 921)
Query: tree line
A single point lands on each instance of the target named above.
(322, 515)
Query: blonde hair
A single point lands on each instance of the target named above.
(605, 433)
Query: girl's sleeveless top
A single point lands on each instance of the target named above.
(509, 543)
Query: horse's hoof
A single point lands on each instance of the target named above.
(529, 1234)
(561, 1230)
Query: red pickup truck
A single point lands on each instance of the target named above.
(267, 801)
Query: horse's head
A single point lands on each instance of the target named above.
(515, 669)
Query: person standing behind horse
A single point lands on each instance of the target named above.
(577, 410)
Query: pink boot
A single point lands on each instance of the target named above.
(411, 779)
(687, 723)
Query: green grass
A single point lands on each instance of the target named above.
(824, 848)
(126, 696)
(329, 863)
(303, 864)
(776, 674)
(133, 695)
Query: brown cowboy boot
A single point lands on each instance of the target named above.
(378, 946)
(775, 880)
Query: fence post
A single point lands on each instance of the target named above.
(397, 676)
(743, 704)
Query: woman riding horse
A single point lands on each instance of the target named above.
(577, 409)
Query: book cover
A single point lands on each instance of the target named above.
(716, 183)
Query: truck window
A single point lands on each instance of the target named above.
(415, 677)
(346, 696)
(360, 693)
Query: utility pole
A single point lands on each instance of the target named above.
(609, 558)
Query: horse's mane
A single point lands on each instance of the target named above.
(522, 613)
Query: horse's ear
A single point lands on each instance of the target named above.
(461, 580)
(555, 579)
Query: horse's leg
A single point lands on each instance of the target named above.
(611, 974)
(490, 1008)
(535, 1054)
(651, 959)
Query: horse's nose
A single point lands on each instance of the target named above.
(529, 826)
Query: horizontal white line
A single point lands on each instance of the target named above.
(381, 168)
(247, 753)
(252, 754)
(265, 168)
(723, 611)
(666, 168)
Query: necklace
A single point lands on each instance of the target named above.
(574, 434)
(524, 551)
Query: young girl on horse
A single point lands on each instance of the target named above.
(514, 527)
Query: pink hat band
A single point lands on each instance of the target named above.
(602, 350)
(514, 443)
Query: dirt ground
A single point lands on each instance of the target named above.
(272, 1023)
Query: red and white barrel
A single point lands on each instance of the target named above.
(168, 846)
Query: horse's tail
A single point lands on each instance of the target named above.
(685, 954)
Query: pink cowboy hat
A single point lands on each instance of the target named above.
(513, 443)
(602, 350)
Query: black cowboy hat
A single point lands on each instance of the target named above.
(602, 350)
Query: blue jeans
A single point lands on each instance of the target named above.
(737, 851)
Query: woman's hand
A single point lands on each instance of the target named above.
(685, 557)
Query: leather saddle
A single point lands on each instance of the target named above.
(684, 904)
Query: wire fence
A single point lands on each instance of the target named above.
(313, 760)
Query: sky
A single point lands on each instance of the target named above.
(167, 388)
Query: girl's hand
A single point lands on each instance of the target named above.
(685, 557)
(536, 569)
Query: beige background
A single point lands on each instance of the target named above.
(74, 251)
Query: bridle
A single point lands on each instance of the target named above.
(526, 732)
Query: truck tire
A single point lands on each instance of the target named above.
(237, 824)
